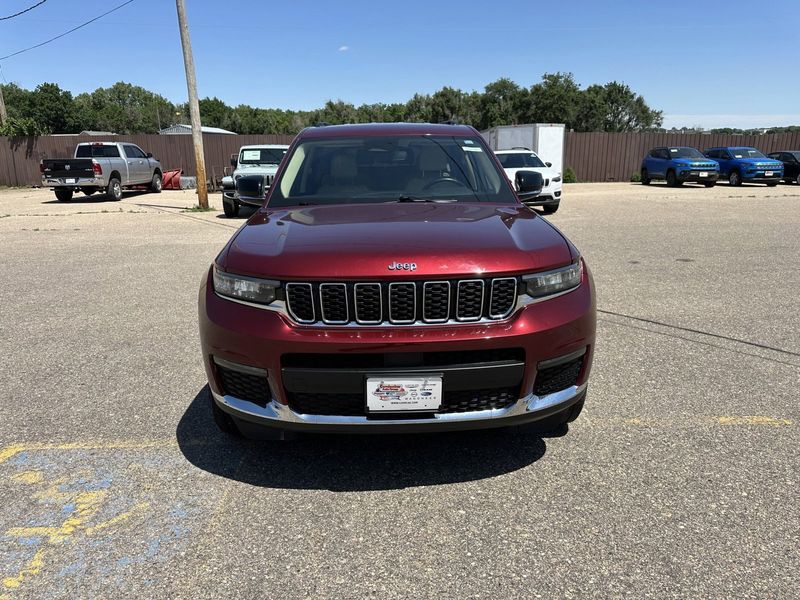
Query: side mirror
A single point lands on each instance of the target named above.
(149, 155)
(549, 164)
(528, 183)
(234, 159)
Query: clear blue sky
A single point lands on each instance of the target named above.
(711, 63)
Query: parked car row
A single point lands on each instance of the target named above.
(736, 164)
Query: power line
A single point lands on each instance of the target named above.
(22, 12)
(66, 32)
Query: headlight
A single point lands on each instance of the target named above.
(250, 289)
(541, 285)
(557, 178)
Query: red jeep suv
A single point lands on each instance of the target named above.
(393, 281)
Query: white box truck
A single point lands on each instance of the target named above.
(546, 139)
(538, 147)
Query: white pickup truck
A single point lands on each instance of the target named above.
(101, 167)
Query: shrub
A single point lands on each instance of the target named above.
(569, 175)
(21, 127)
(636, 177)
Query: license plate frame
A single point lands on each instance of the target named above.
(403, 393)
(703, 174)
(768, 173)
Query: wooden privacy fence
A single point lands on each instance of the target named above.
(616, 156)
(19, 157)
(593, 156)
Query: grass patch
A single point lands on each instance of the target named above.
(198, 208)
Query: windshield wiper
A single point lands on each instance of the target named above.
(405, 198)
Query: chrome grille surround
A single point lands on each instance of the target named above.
(471, 314)
(360, 304)
(494, 290)
(400, 303)
(395, 296)
(323, 288)
(300, 286)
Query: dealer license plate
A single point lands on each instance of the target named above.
(768, 173)
(404, 394)
(703, 174)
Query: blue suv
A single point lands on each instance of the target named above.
(677, 165)
(746, 165)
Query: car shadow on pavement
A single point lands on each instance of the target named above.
(98, 198)
(353, 462)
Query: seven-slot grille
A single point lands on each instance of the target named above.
(401, 302)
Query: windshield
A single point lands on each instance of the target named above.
(520, 160)
(261, 156)
(746, 153)
(369, 169)
(685, 153)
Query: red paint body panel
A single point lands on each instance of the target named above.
(360, 241)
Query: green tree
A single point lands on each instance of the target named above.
(627, 111)
(502, 102)
(52, 108)
(554, 100)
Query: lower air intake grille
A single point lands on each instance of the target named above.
(246, 386)
(557, 378)
(352, 405)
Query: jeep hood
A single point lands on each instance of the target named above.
(361, 241)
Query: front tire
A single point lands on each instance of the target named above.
(672, 179)
(231, 209)
(114, 190)
(223, 420)
(64, 195)
(645, 177)
(156, 183)
(735, 179)
(558, 422)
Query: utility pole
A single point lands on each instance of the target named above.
(194, 106)
(3, 114)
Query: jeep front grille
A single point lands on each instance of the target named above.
(401, 302)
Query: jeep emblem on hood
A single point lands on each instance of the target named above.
(396, 266)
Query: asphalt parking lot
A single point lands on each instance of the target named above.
(680, 479)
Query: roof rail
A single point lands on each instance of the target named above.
(449, 122)
(321, 124)
(522, 148)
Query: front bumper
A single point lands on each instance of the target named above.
(265, 341)
(761, 177)
(694, 176)
(527, 409)
(549, 196)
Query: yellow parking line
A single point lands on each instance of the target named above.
(141, 507)
(14, 449)
(29, 477)
(31, 569)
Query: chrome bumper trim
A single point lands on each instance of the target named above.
(280, 413)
